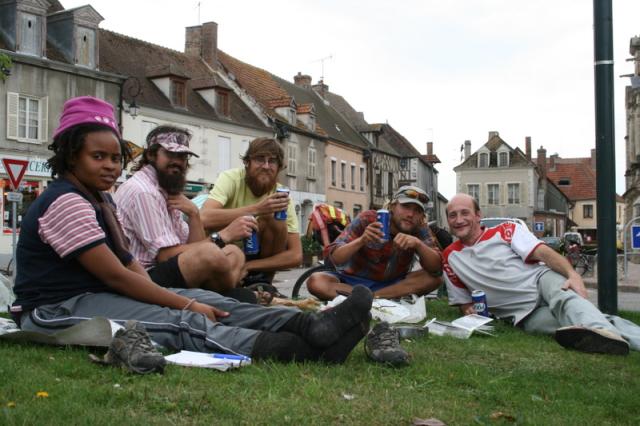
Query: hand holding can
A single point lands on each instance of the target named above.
(281, 215)
(251, 244)
(384, 217)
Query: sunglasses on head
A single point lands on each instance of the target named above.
(412, 193)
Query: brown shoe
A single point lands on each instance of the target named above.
(592, 340)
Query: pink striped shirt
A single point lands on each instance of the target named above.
(69, 224)
(147, 221)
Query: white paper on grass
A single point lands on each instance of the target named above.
(461, 328)
(203, 360)
(393, 311)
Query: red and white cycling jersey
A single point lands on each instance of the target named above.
(498, 263)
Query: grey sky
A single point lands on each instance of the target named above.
(435, 70)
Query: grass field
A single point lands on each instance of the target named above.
(512, 378)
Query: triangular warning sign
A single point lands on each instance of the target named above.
(15, 169)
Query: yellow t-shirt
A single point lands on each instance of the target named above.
(232, 192)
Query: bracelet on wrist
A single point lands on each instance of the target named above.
(188, 305)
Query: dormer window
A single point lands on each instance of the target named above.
(30, 40)
(503, 159)
(222, 102)
(178, 93)
(85, 47)
(483, 160)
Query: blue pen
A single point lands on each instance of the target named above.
(229, 357)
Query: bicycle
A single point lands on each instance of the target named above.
(580, 261)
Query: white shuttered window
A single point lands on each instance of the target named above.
(27, 118)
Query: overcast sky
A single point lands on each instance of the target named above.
(444, 71)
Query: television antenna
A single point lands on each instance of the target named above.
(321, 60)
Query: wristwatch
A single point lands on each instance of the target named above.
(217, 240)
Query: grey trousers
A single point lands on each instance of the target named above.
(172, 328)
(559, 308)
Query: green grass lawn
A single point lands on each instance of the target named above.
(512, 378)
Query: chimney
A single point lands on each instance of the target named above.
(192, 41)
(493, 133)
(320, 88)
(202, 41)
(429, 148)
(542, 161)
(302, 80)
(552, 162)
(467, 149)
(593, 158)
(527, 147)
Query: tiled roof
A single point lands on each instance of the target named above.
(431, 158)
(142, 57)
(256, 81)
(279, 103)
(327, 118)
(392, 142)
(581, 177)
(305, 108)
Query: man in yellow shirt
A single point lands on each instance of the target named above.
(251, 191)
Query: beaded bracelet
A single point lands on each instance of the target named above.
(188, 304)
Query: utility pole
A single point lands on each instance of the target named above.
(605, 156)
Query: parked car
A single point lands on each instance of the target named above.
(555, 243)
(572, 237)
(490, 222)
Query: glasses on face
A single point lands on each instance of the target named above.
(261, 160)
(412, 193)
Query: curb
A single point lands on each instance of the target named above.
(626, 288)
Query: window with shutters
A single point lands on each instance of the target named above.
(353, 176)
(333, 171)
(493, 194)
(26, 118)
(292, 158)
(311, 162)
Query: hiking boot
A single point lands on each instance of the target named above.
(592, 340)
(382, 344)
(131, 347)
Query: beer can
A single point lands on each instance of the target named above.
(480, 303)
(384, 217)
(281, 215)
(251, 244)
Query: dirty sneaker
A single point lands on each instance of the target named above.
(131, 347)
(592, 340)
(382, 344)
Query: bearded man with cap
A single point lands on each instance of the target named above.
(362, 257)
(175, 252)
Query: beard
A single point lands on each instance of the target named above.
(258, 184)
(173, 183)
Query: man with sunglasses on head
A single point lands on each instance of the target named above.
(251, 191)
(362, 257)
(176, 253)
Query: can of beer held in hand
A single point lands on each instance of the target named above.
(251, 244)
(384, 217)
(480, 303)
(282, 214)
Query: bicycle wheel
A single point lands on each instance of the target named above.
(305, 275)
(582, 266)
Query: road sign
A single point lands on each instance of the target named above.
(538, 226)
(14, 196)
(635, 237)
(15, 169)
